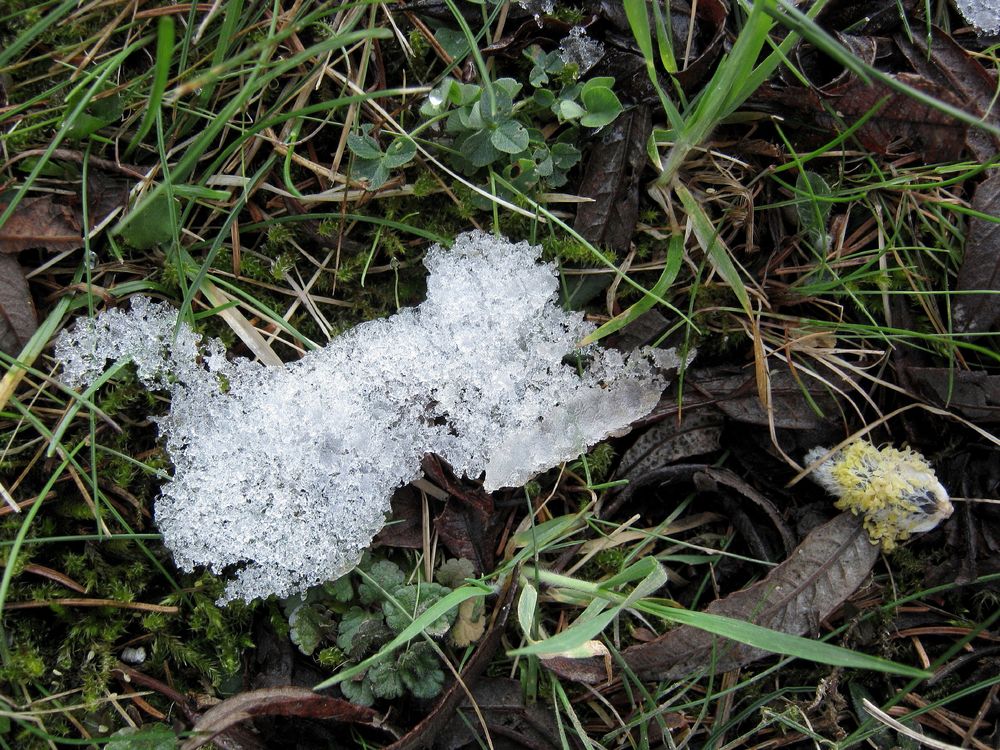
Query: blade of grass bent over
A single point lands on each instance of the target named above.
(675, 256)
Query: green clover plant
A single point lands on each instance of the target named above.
(495, 126)
(362, 611)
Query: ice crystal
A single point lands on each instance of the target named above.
(538, 8)
(282, 475)
(580, 50)
(983, 14)
(894, 491)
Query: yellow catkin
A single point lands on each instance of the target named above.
(895, 492)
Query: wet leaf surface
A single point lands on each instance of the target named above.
(864, 16)
(469, 524)
(611, 179)
(18, 319)
(405, 527)
(512, 723)
(975, 395)
(980, 270)
(900, 122)
(825, 74)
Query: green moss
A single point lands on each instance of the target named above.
(282, 266)
(25, 663)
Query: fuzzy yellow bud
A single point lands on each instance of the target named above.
(895, 491)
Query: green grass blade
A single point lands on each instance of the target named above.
(433, 613)
(161, 74)
(782, 643)
(592, 622)
(675, 257)
(40, 26)
(708, 238)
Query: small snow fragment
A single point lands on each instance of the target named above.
(283, 474)
(539, 8)
(133, 656)
(896, 492)
(580, 50)
(983, 14)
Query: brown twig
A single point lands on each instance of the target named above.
(69, 602)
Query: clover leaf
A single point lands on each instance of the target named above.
(385, 576)
(420, 672)
(372, 163)
(510, 137)
(600, 102)
(307, 626)
(413, 601)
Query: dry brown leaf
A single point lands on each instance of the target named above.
(734, 393)
(279, 701)
(470, 624)
(935, 135)
(794, 598)
(18, 319)
(950, 65)
(611, 178)
(40, 222)
(54, 222)
(510, 719)
(699, 432)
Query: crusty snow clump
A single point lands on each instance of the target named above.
(983, 14)
(283, 474)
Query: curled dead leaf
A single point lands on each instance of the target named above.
(611, 179)
(54, 222)
(470, 624)
(279, 701)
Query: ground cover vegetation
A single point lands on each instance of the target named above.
(805, 194)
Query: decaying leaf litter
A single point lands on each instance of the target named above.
(822, 239)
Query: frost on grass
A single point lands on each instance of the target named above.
(282, 476)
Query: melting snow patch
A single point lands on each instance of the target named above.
(983, 14)
(283, 474)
